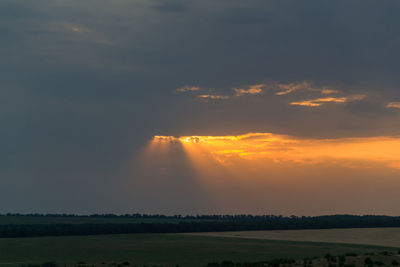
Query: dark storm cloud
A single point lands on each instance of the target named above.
(170, 6)
(86, 84)
(244, 16)
(15, 10)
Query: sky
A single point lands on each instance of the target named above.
(200, 107)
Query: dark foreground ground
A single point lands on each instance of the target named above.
(164, 250)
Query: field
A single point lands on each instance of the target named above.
(163, 249)
(368, 236)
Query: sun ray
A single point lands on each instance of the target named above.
(281, 149)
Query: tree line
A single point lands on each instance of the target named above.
(224, 217)
(210, 223)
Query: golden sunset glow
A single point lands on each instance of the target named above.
(281, 149)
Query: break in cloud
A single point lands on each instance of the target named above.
(253, 147)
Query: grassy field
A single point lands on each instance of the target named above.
(162, 249)
(367, 236)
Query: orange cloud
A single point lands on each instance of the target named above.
(252, 90)
(291, 87)
(393, 105)
(188, 89)
(320, 101)
(257, 148)
(285, 89)
(325, 91)
(210, 96)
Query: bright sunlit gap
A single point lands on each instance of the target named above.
(283, 149)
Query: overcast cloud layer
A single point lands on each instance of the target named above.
(86, 84)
